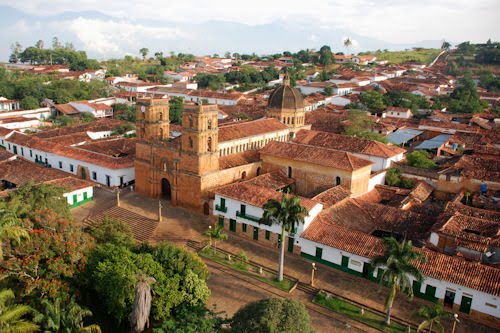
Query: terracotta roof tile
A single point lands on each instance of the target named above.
(256, 195)
(274, 180)
(438, 266)
(347, 143)
(249, 129)
(315, 155)
(332, 196)
(234, 160)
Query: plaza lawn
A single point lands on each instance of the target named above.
(354, 312)
(424, 56)
(247, 268)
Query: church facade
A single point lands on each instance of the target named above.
(187, 169)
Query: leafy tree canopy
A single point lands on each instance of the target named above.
(272, 315)
(420, 159)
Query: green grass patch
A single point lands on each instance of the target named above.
(248, 269)
(354, 312)
(424, 56)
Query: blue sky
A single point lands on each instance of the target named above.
(112, 28)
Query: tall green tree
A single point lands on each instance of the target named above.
(288, 213)
(272, 315)
(398, 263)
(446, 45)
(144, 52)
(432, 317)
(325, 55)
(13, 316)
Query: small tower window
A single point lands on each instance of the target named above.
(337, 180)
(209, 144)
(165, 166)
(190, 142)
(190, 121)
(209, 123)
(243, 175)
(160, 116)
(289, 172)
(161, 133)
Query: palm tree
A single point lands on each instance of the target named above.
(11, 316)
(432, 315)
(398, 262)
(347, 43)
(288, 213)
(57, 317)
(215, 234)
(10, 229)
(142, 303)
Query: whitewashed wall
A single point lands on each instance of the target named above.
(235, 205)
(79, 194)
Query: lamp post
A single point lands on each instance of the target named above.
(313, 269)
(159, 211)
(117, 197)
(455, 321)
(210, 235)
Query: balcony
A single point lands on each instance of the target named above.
(222, 209)
(249, 217)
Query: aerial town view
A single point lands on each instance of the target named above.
(265, 167)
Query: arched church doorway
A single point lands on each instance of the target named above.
(166, 190)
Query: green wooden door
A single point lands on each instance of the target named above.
(255, 233)
(430, 293)
(75, 198)
(221, 221)
(290, 244)
(319, 252)
(232, 225)
(84, 195)
(345, 261)
(465, 304)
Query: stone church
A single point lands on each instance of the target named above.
(186, 169)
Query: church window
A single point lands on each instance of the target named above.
(190, 121)
(243, 175)
(161, 133)
(160, 116)
(293, 120)
(209, 143)
(289, 172)
(337, 180)
(165, 166)
(190, 142)
(209, 123)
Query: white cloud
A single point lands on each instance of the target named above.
(390, 20)
(113, 38)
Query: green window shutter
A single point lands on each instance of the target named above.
(244, 227)
(268, 234)
(243, 209)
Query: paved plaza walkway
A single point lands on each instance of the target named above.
(229, 292)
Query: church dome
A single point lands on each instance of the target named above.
(286, 97)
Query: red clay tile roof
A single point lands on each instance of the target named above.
(5, 155)
(20, 171)
(234, 160)
(438, 266)
(249, 129)
(331, 234)
(347, 143)
(315, 155)
(93, 153)
(332, 196)
(66, 109)
(480, 167)
(274, 180)
(256, 195)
